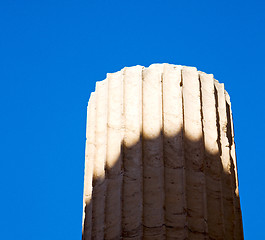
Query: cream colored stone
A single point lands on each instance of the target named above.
(153, 166)
(227, 192)
(175, 202)
(160, 147)
(238, 216)
(89, 162)
(132, 198)
(114, 156)
(194, 153)
(99, 188)
(213, 165)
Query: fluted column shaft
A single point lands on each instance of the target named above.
(160, 157)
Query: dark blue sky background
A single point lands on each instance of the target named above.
(51, 55)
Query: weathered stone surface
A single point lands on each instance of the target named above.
(237, 208)
(99, 184)
(114, 156)
(212, 158)
(153, 165)
(175, 203)
(194, 153)
(132, 197)
(226, 179)
(89, 166)
(160, 157)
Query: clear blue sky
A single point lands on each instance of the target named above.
(51, 54)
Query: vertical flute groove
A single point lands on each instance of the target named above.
(212, 158)
(153, 166)
(175, 207)
(238, 226)
(114, 157)
(99, 183)
(194, 155)
(89, 157)
(132, 207)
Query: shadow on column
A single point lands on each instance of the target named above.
(199, 199)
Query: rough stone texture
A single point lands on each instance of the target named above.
(99, 183)
(132, 195)
(89, 162)
(160, 157)
(174, 171)
(114, 156)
